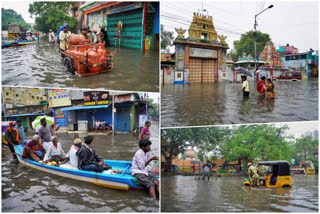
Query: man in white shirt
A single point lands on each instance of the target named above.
(73, 157)
(56, 152)
(139, 168)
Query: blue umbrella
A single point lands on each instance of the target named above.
(243, 71)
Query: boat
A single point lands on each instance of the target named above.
(18, 43)
(123, 180)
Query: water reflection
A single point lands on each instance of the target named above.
(41, 65)
(228, 194)
(222, 103)
(27, 190)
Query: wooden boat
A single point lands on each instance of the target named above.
(20, 43)
(123, 181)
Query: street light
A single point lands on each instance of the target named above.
(255, 36)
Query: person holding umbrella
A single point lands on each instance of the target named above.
(245, 86)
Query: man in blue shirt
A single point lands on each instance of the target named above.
(22, 135)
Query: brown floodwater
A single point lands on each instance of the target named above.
(40, 65)
(222, 103)
(228, 194)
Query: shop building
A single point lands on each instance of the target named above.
(135, 23)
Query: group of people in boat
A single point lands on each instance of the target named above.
(264, 87)
(45, 148)
(28, 36)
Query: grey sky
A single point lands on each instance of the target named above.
(21, 7)
(293, 22)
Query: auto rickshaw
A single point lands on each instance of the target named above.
(275, 174)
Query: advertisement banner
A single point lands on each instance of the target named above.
(96, 98)
(59, 97)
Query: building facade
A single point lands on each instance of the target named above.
(201, 57)
(136, 23)
(24, 104)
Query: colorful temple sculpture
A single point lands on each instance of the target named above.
(202, 56)
(273, 64)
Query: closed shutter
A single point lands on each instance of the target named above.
(201, 70)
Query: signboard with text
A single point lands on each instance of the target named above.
(96, 98)
(203, 53)
(59, 97)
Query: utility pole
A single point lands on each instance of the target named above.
(255, 37)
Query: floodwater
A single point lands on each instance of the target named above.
(222, 103)
(28, 190)
(228, 194)
(40, 65)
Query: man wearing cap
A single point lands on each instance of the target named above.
(22, 135)
(12, 137)
(89, 160)
(73, 157)
(253, 174)
(64, 38)
(34, 150)
(51, 37)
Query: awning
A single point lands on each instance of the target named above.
(83, 107)
(27, 114)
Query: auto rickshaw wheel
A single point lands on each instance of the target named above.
(68, 64)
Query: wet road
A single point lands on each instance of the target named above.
(222, 103)
(40, 65)
(227, 194)
(29, 190)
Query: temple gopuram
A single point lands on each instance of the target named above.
(202, 56)
(273, 64)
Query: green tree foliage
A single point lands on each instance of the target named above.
(52, 15)
(166, 39)
(176, 141)
(303, 150)
(257, 142)
(12, 17)
(246, 44)
(154, 110)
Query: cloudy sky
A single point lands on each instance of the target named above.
(293, 22)
(21, 7)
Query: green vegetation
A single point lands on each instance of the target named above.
(166, 39)
(52, 15)
(246, 44)
(154, 110)
(242, 143)
(12, 17)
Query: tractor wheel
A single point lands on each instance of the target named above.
(68, 64)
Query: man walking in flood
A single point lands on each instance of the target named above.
(12, 137)
(253, 174)
(64, 38)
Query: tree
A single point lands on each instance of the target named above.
(176, 141)
(303, 150)
(166, 39)
(257, 142)
(52, 15)
(12, 17)
(154, 110)
(246, 44)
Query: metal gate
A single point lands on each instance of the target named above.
(123, 119)
(201, 70)
(132, 28)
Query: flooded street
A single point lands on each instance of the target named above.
(40, 65)
(222, 103)
(29, 190)
(228, 194)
